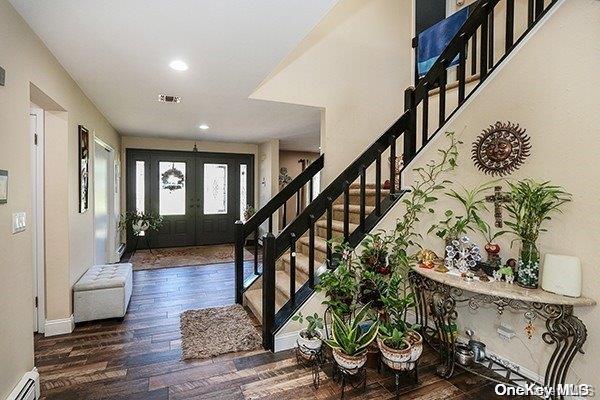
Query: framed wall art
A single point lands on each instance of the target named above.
(84, 168)
(3, 186)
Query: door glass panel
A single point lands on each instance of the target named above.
(140, 186)
(140, 189)
(215, 189)
(243, 189)
(171, 180)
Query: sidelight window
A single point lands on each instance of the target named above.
(243, 188)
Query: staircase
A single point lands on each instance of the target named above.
(283, 292)
(349, 208)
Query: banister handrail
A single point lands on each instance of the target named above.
(453, 48)
(336, 188)
(284, 195)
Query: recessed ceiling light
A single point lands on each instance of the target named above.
(204, 127)
(178, 65)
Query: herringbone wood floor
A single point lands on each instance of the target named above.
(139, 357)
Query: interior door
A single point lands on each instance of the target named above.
(218, 199)
(173, 196)
(101, 179)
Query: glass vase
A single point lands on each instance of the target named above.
(528, 269)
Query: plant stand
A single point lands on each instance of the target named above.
(356, 377)
(399, 369)
(313, 359)
(137, 241)
(437, 296)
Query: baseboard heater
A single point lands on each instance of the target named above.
(28, 388)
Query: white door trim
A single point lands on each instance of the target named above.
(111, 242)
(37, 189)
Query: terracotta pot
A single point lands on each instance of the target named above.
(351, 364)
(309, 347)
(416, 345)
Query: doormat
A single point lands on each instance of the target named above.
(215, 331)
(185, 256)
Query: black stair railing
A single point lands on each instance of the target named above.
(477, 30)
(243, 230)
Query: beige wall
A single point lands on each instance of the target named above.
(26, 60)
(134, 142)
(268, 176)
(356, 64)
(549, 88)
(289, 159)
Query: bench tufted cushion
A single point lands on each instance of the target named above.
(104, 277)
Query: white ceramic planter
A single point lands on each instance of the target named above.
(350, 363)
(309, 347)
(394, 355)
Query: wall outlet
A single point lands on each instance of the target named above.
(506, 332)
(19, 222)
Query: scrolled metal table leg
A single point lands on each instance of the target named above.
(445, 316)
(568, 333)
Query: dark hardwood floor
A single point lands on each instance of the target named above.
(139, 357)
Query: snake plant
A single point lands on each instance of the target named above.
(349, 337)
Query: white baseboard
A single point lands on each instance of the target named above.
(285, 341)
(59, 326)
(21, 386)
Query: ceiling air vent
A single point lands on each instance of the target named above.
(164, 98)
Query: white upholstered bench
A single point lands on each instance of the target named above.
(103, 292)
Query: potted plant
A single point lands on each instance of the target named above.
(349, 343)
(309, 339)
(393, 344)
(340, 285)
(531, 203)
(140, 222)
(374, 256)
(455, 225)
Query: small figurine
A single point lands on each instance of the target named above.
(508, 274)
(426, 258)
(462, 254)
(480, 273)
(493, 251)
(497, 276)
(441, 268)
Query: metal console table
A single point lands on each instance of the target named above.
(437, 295)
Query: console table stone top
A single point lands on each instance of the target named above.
(504, 290)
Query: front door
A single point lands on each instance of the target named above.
(173, 196)
(199, 195)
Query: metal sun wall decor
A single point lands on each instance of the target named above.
(501, 149)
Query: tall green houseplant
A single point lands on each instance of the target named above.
(531, 204)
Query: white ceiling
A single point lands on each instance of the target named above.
(119, 51)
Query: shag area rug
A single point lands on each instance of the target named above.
(185, 256)
(215, 331)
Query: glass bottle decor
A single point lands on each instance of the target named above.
(528, 268)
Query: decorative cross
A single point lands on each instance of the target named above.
(498, 198)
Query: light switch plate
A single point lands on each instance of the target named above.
(19, 222)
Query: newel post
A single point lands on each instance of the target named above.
(238, 231)
(268, 291)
